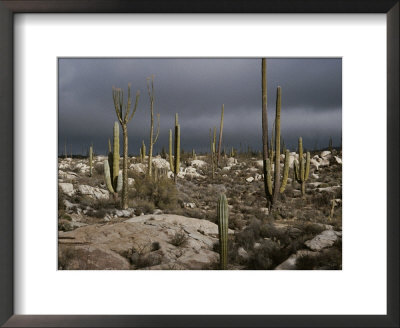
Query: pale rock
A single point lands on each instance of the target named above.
(83, 168)
(198, 163)
(226, 168)
(231, 161)
(265, 210)
(242, 253)
(131, 181)
(138, 167)
(189, 205)
(258, 177)
(93, 192)
(325, 239)
(315, 176)
(326, 154)
(338, 160)
(250, 179)
(259, 163)
(160, 163)
(67, 188)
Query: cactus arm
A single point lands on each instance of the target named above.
(220, 134)
(307, 171)
(135, 106)
(269, 177)
(223, 216)
(171, 160)
(264, 108)
(285, 172)
(115, 161)
(158, 129)
(107, 177)
(296, 171)
(277, 144)
(119, 182)
(177, 150)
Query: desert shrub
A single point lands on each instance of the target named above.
(267, 256)
(162, 193)
(65, 255)
(145, 260)
(155, 246)
(322, 199)
(61, 198)
(64, 225)
(330, 259)
(99, 169)
(144, 206)
(178, 239)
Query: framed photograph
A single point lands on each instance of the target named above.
(162, 154)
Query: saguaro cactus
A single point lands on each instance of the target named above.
(112, 176)
(302, 169)
(91, 160)
(212, 150)
(220, 134)
(170, 156)
(274, 189)
(150, 91)
(264, 120)
(177, 148)
(124, 117)
(223, 215)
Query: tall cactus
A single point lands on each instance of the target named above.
(124, 118)
(112, 176)
(221, 126)
(143, 152)
(177, 148)
(276, 187)
(170, 156)
(90, 161)
(223, 215)
(212, 150)
(150, 91)
(302, 169)
(264, 119)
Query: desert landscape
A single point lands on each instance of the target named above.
(152, 205)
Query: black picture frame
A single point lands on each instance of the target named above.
(7, 10)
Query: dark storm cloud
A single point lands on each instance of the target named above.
(196, 89)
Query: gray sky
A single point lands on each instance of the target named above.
(196, 89)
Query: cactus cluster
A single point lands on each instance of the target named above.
(302, 168)
(124, 113)
(222, 216)
(112, 176)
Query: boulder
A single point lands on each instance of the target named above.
(338, 160)
(67, 188)
(138, 167)
(198, 163)
(231, 161)
(93, 192)
(160, 163)
(114, 245)
(323, 240)
(326, 154)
